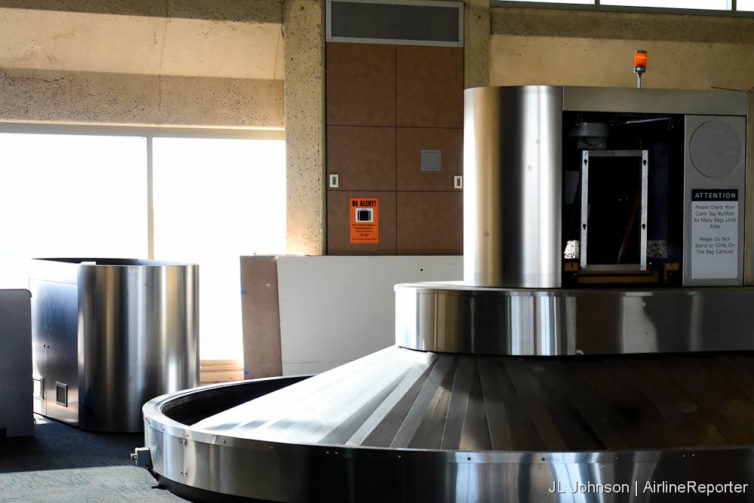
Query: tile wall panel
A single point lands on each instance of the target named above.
(430, 223)
(429, 86)
(411, 142)
(360, 84)
(363, 157)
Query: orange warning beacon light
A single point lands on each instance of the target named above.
(640, 65)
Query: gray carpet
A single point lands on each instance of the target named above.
(64, 465)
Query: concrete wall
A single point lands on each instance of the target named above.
(179, 63)
(117, 98)
(574, 47)
(476, 50)
(304, 25)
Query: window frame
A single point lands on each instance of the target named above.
(150, 133)
(598, 7)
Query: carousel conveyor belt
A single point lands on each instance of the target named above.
(417, 426)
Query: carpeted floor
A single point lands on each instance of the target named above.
(64, 465)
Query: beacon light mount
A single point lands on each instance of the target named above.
(640, 65)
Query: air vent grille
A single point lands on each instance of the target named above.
(391, 22)
(61, 394)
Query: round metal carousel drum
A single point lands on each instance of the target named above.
(591, 353)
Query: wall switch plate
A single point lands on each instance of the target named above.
(458, 182)
(334, 181)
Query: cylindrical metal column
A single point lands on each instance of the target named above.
(512, 186)
(138, 336)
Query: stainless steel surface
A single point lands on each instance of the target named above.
(54, 327)
(512, 161)
(465, 428)
(512, 194)
(732, 178)
(749, 199)
(453, 318)
(16, 385)
(661, 101)
(117, 332)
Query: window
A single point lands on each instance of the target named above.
(580, 2)
(70, 195)
(674, 4)
(88, 195)
(702, 5)
(63, 195)
(215, 200)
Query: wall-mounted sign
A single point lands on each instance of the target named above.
(365, 223)
(714, 233)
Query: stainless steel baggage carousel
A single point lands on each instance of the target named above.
(599, 349)
(404, 425)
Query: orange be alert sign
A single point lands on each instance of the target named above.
(365, 220)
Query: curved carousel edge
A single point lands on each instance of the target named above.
(210, 465)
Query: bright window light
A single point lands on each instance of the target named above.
(215, 200)
(86, 196)
(745, 5)
(70, 196)
(675, 4)
(579, 2)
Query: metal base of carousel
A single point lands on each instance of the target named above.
(407, 425)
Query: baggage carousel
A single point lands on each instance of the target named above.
(405, 425)
(599, 349)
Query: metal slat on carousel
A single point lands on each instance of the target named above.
(599, 349)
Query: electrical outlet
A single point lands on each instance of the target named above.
(458, 182)
(334, 181)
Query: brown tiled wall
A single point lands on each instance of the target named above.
(429, 86)
(385, 104)
(363, 156)
(360, 84)
(424, 223)
(411, 141)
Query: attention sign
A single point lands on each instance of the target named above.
(365, 220)
(714, 233)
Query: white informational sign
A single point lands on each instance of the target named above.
(714, 234)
